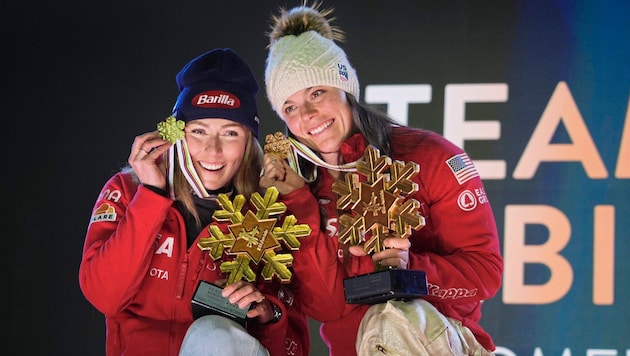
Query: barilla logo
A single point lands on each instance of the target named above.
(217, 99)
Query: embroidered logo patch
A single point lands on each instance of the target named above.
(218, 99)
(343, 72)
(466, 200)
(104, 212)
(462, 167)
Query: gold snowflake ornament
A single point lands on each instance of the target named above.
(379, 204)
(277, 143)
(254, 237)
(171, 129)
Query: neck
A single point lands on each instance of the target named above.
(332, 158)
(335, 159)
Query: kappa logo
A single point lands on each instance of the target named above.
(291, 346)
(104, 212)
(451, 293)
(216, 99)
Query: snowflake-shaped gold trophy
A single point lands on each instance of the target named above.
(252, 241)
(378, 206)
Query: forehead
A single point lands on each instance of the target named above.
(215, 122)
(304, 93)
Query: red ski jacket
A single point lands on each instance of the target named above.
(137, 270)
(458, 248)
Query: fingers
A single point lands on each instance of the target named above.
(278, 173)
(146, 159)
(243, 294)
(396, 253)
(147, 144)
(397, 242)
(262, 312)
(273, 168)
(357, 250)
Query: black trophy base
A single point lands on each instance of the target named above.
(209, 301)
(378, 287)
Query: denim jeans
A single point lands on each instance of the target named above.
(215, 335)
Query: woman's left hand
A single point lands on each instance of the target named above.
(244, 294)
(396, 253)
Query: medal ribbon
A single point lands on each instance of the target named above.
(297, 148)
(186, 165)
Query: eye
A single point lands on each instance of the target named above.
(197, 131)
(289, 109)
(317, 93)
(230, 133)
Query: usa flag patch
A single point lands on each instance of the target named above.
(462, 167)
(343, 72)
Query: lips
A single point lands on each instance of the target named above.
(321, 127)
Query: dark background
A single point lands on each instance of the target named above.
(81, 79)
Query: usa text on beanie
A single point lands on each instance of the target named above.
(217, 84)
(303, 54)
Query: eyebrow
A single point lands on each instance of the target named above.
(305, 90)
(227, 125)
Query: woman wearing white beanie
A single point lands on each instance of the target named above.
(313, 87)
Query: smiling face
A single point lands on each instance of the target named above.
(321, 118)
(217, 147)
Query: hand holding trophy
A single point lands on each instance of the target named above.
(252, 238)
(379, 208)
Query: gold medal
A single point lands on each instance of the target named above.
(277, 143)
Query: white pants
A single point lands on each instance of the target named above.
(414, 328)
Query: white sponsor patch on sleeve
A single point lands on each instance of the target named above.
(104, 212)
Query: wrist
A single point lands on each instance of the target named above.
(155, 189)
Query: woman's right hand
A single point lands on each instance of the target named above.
(146, 159)
(277, 172)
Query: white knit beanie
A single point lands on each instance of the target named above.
(303, 54)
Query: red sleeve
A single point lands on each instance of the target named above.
(459, 246)
(317, 274)
(119, 242)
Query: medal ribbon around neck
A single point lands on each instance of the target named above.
(297, 148)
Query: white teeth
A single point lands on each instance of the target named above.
(321, 128)
(211, 167)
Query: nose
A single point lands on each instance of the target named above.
(307, 111)
(213, 144)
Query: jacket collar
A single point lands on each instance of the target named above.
(353, 148)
